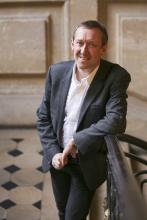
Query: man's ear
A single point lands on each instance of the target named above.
(103, 49)
(72, 44)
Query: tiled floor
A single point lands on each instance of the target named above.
(25, 192)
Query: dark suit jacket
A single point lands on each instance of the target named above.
(103, 112)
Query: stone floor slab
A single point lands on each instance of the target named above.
(25, 195)
(23, 212)
(4, 176)
(27, 177)
(28, 160)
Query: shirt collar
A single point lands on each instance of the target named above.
(88, 79)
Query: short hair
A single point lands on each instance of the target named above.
(90, 24)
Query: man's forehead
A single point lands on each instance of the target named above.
(91, 34)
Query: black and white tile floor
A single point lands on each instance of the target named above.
(25, 192)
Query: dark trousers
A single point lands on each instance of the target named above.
(72, 196)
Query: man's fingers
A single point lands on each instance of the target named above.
(64, 158)
(73, 154)
(56, 161)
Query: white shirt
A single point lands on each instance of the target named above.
(76, 95)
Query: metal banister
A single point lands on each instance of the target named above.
(133, 140)
(124, 197)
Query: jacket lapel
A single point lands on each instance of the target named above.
(95, 88)
(64, 88)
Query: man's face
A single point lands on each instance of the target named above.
(87, 48)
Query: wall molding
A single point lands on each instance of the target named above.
(31, 1)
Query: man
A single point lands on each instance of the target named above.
(84, 100)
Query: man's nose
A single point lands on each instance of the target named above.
(84, 48)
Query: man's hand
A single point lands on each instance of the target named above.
(57, 161)
(70, 149)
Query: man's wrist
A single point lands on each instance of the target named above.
(73, 143)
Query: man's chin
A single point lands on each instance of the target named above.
(83, 65)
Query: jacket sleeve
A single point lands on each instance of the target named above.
(114, 120)
(44, 124)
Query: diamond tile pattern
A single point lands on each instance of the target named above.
(22, 180)
(9, 185)
(12, 168)
(41, 152)
(15, 152)
(39, 186)
(37, 204)
(40, 169)
(7, 204)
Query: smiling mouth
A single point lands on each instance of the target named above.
(84, 59)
